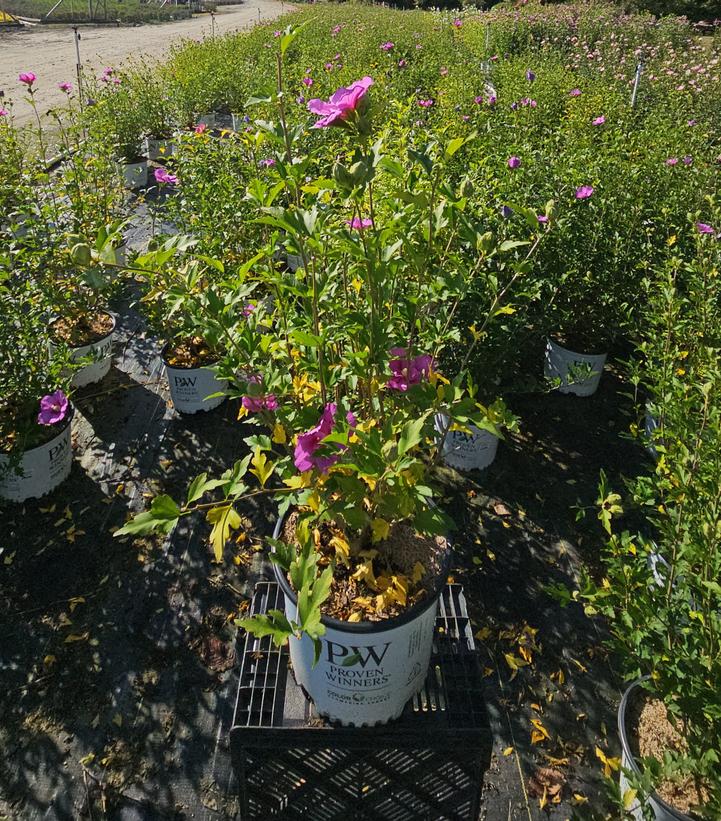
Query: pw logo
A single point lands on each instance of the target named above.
(362, 655)
(185, 381)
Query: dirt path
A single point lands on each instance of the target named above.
(49, 51)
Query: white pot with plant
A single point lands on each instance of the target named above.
(346, 412)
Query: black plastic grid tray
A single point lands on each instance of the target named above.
(426, 766)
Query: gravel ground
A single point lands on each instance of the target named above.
(49, 51)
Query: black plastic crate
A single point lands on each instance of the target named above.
(426, 766)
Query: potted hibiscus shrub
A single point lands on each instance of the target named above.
(340, 373)
(35, 412)
(661, 592)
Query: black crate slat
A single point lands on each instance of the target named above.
(428, 765)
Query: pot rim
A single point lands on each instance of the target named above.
(553, 341)
(184, 367)
(64, 425)
(97, 341)
(622, 707)
(367, 627)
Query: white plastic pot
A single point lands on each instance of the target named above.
(367, 670)
(573, 368)
(159, 149)
(43, 467)
(662, 811)
(189, 388)
(294, 262)
(473, 450)
(101, 352)
(135, 174)
(238, 122)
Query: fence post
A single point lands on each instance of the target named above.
(79, 66)
(636, 81)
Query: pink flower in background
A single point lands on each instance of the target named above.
(425, 103)
(687, 160)
(162, 175)
(351, 419)
(692, 123)
(308, 443)
(307, 81)
(514, 162)
(457, 23)
(543, 219)
(584, 192)
(492, 99)
(342, 105)
(27, 78)
(478, 100)
(107, 74)
(4, 112)
(66, 87)
(387, 46)
(268, 162)
(201, 128)
(406, 371)
(359, 224)
(574, 92)
(277, 33)
(248, 309)
(53, 408)
(402, 64)
(703, 228)
(256, 404)
(335, 30)
(672, 161)
(599, 120)
(328, 66)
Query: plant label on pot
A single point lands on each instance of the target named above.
(579, 373)
(190, 387)
(474, 449)
(43, 468)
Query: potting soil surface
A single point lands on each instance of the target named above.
(117, 656)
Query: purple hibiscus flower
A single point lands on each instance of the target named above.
(343, 104)
(53, 408)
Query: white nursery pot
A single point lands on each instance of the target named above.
(43, 467)
(189, 388)
(661, 810)
(159, 149)
(102, 353)
(560, 362)
(392, 658)
(135, 174)
(475, 450)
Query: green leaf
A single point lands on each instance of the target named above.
(274, 624)
(350, 660)
(200, 485)
(510, 244)
(305, 338)
(411, 435)
(162, 517)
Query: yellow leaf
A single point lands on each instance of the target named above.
(357, 284)
(8, 560)
(224, 519)
(487, 671)
(364, 572)
(629, 798)
(49, 660)
(77, 637)
(355, 616)
(508, 751)
(279, 436)
(484, 634)
(544, 798)
(300, 481)
(313, 501)
(262, 468)
(342, 549)
(87, 759)
(118, 719)
(380, 530)
(539, 732)
(609, 764)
